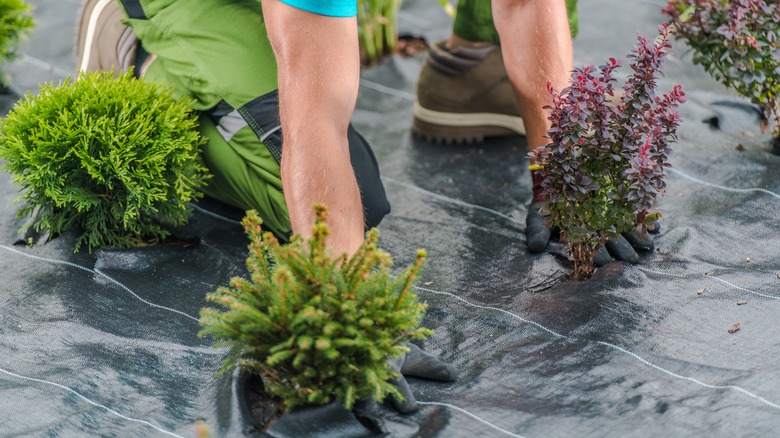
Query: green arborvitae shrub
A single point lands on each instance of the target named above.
(316, 327)
(117, 158)
(16, 21)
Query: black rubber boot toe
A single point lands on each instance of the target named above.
(537, 235)
(639, 243)
(620, 249)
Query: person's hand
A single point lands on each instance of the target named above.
(417, 363)
(624, 248)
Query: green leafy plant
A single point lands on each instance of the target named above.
(377, 29)
(738, 44)
(117, 158)
(604, 167)
(16, 22)
(316, 327)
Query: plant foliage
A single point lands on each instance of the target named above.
(377, 28)
(738, 43)
(16, 22)
(316, 327)
(604, 166)
(119, 158)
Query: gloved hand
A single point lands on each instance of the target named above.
(417, 363)
(624, 248)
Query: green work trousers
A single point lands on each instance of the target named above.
(474, 20)
(217, 53)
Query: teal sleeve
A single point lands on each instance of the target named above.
(330, 8)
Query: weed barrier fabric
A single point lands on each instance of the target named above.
(105, 344)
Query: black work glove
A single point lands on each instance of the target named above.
(623, 248)
(417, 363)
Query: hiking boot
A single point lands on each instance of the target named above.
(464, 95)
(103, 42)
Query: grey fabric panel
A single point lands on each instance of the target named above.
(269, 133)
(230, 123)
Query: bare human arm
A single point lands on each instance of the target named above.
(319, 69)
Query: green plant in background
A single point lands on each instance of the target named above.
(16, 22)
(117, 158)
(738, 44)
(377, 29)
(316, 327)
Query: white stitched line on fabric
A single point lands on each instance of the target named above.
(98, 405)
(742, 288)
(95, 271)
(497, 309)
(662, 273)
(717, 279)
(387, 90)
(481, 420)
(690, 379)
(143, 300)
(718, 186)
(44, 65)
(454, 201)
(214, 215)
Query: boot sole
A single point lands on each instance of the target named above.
(463, 128)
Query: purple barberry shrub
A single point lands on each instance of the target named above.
(738, 44)
(604, 166)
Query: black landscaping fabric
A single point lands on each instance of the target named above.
(105, 344)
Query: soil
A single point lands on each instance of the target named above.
(264, 407)
(411, 45)
(330, 420)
